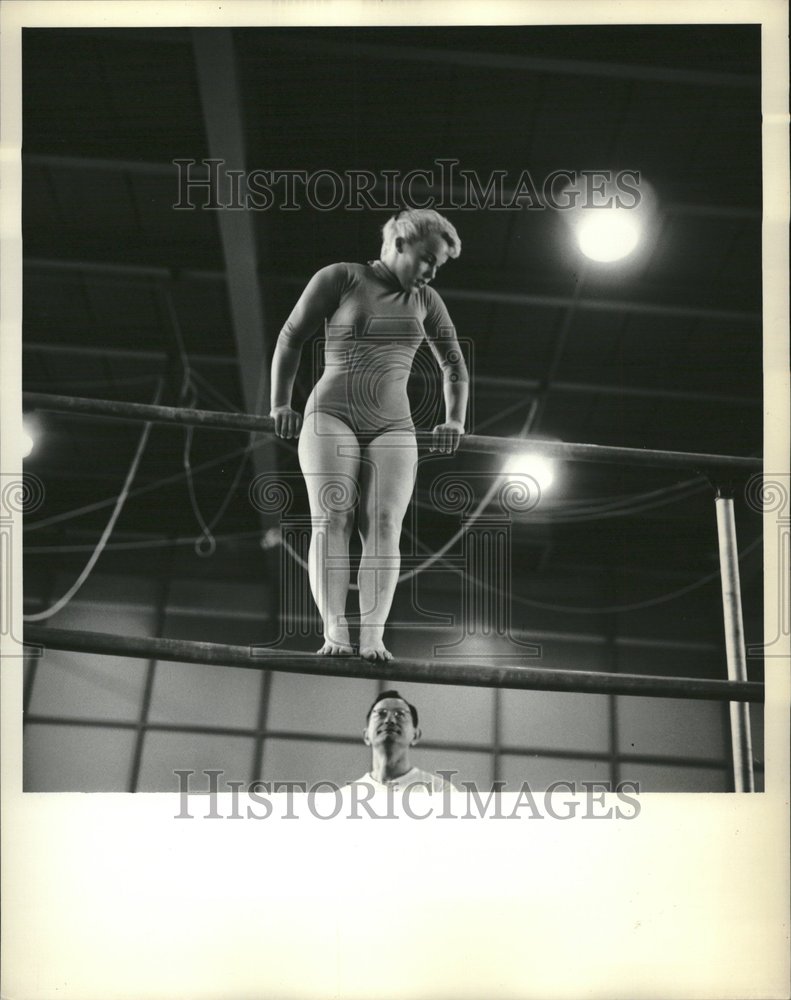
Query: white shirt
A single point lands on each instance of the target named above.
(424, 780)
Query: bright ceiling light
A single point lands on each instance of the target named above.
(532, 466)
(607, 234)
(28, 442)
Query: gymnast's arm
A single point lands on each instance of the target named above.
(319, 300)
(445, 347)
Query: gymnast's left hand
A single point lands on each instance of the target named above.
(288, 422)
(445, 437)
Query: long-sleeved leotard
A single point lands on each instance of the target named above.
(373, 329)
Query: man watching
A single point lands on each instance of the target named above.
(391, 731)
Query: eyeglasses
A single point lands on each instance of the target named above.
(398, 713)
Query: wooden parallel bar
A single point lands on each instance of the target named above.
(434, 671)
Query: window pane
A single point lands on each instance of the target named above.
(312, 704)
(164, 753)
(198, 694)
(661, 778)
(87, 685)
(477, 767)
(555, 720)
(311, 761)
(670, 726)
(77, 758)
(541, 772)
(452, 712)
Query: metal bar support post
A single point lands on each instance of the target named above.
(743, 778)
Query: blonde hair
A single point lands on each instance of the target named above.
(416, 224)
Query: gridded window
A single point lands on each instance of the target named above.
(196, 694)
(470, 766)
(453, 713)
(671, 727)
(314, 760)
(61, 758)
(666, 778)
(542, 771)
(84, 685)
(164, 753)
(149, 720)
(555, 720)
(312, 704)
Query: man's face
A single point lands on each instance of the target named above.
(390, 724)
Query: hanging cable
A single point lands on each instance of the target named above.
(206, 538)
(431, 559)
(544, 605)
(615, 609)
(661, 599)
(176, 477)
(212, 391)
(186, 372)
(141, 543)
(205, 544)
(36, 386)
(599, 510)
(121, 500)
(488, 496)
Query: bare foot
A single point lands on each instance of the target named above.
(331, 648)
(336, 638)
(374, 649)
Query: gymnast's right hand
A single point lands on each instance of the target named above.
(287, 421)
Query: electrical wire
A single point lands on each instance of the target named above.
(438, 555)
(142, 543)
(576, 511)
(427, 563)
(205, 545)
(660, 599)
(38, 386)
(609, 508)
(613, 609)
(99, 548)
(212, 391)
(175, 477)
(544, 605)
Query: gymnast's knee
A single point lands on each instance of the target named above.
(335, 521)
(383, 524)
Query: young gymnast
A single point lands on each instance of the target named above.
(357, 443)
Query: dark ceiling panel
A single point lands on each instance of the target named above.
(95, 94)
(104, 243)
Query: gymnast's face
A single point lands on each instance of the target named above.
(417, 263)
(390, 724)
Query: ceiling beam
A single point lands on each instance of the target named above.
(477, 59)
(297, 40)
(600, 305)
(221, 101)
(496, 382)
(170, 171)
(451, 294)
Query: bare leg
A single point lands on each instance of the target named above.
(387, 476)
(330, 458)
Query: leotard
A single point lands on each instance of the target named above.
(373, 329)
